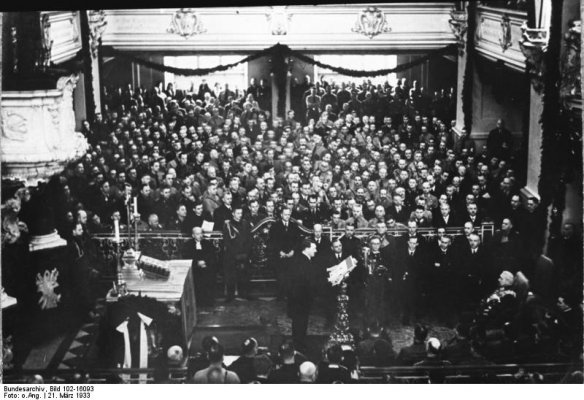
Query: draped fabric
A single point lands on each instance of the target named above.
(554, 152)
(279, 51)
(360, 73)
(467, 83)
(110, 51)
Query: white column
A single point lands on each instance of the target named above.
(288, 103)
(459, 86)
(534, 144)
(274, 96)
(96, 83)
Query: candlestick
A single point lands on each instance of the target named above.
(116, 231)
(136, 205)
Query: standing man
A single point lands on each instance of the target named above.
(236, 265)
(283, 239)
(499, 142)
(300, 294)
(202, 252)
(408, 279)
(378, 281)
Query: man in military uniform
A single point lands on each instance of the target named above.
(237, 242)
(379, 279)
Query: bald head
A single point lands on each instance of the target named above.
(197, 233)
(307, 372)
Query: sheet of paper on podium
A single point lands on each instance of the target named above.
(207, 226)
(339, 272)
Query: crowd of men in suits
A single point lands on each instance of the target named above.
(363, 156)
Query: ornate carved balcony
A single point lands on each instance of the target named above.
(498, 35)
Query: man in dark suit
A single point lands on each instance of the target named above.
(499, 142)
(283, 240)
(505, 246)
(301, 292)
(351, 244)
(224, 211)
(253, 214)
(314, 214)
(408, 277)
(165, 207)
(145, 201)
(322, 242)
(412, 233)
(237, 241)
(378, 279)
(204, 257)
(398, 210)
(105, 203)
(445, 219)
(471, 264)
(441, 277)
(472, 214)
(416, 351)
(199, 215)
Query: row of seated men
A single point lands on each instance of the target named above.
(343, 363)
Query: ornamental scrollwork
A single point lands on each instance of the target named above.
(279, 21)
(97, 24)
(533, 45)
(459, 25)
(371, 22)
(186, 23)
(505, 38)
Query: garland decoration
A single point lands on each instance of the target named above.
(552, 155)
(452, 48)
(467, 85)
(279, 51)
(86, 55)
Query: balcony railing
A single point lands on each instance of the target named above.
(168, 245)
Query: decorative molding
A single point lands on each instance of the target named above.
(97, 24)
(505, 37)
(14, 126)
(279, 21)
(479, 30)
(65, 31)
(533, 45)
(186, 23)
(371, 22)
(498, 34)
(420, 27)
(44, 56)
(49, 241)
(459, 24)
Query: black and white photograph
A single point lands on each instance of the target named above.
(350, 193)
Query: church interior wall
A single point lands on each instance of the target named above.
(498, 92)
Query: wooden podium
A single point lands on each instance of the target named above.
(178, 287)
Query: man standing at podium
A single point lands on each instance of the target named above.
(301, 291)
